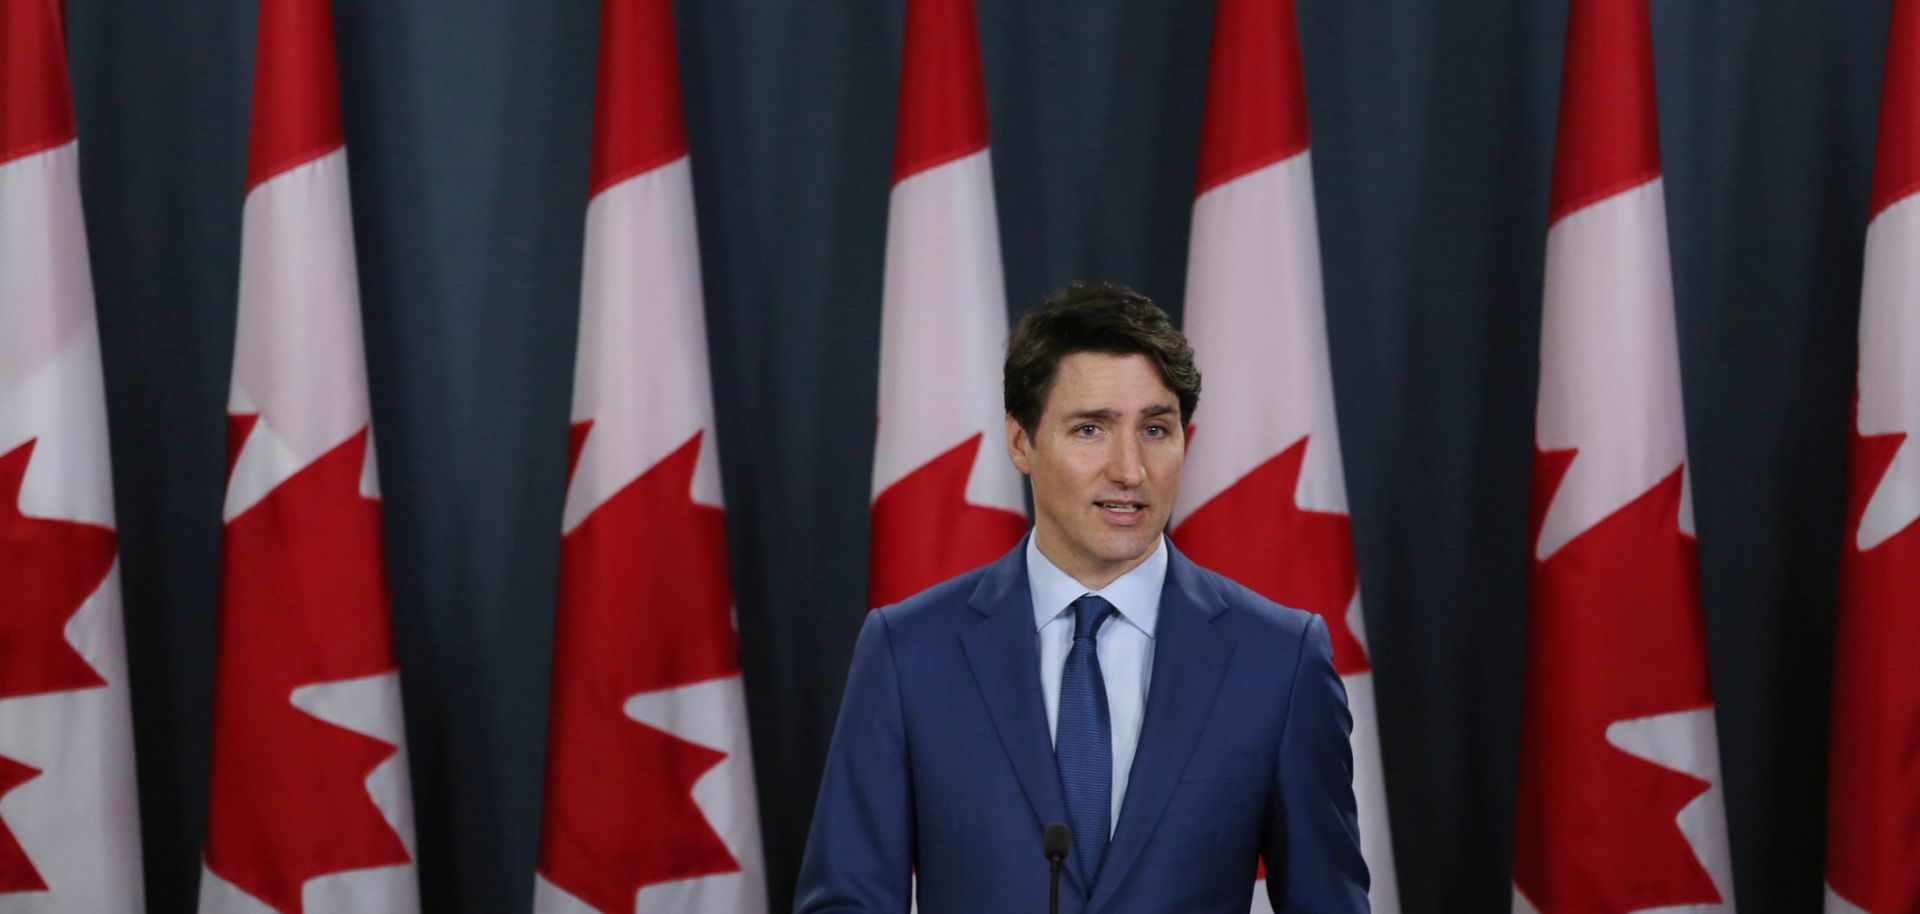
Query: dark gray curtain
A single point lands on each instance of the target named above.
(467, 125)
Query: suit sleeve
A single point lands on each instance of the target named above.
(859, 851)
(1312, 845)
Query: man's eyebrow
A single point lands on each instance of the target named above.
(1158, 409)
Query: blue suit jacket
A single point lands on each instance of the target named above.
(942, 767)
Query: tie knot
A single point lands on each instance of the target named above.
(1088, 612)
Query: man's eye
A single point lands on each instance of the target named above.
(1156, 431)
(1086, 431)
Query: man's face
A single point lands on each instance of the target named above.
(1105, 463)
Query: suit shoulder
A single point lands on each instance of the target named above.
(938, 607)
(1254, 614)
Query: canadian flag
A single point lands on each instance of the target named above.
(309, 808)
(1619, 805)
(945, 497)
(1263, 499)
(69, 819)
(649, 787)
(1873, 808)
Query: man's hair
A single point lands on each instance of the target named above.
(1093, 317)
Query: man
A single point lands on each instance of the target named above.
(1180, 725)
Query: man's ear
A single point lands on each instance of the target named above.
(1018, 446)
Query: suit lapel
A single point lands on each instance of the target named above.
(1003, 653)
(1189, 661)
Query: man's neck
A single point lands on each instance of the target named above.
(1092, 575)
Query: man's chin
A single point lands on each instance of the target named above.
(1131, 549)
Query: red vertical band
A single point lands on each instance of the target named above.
(1256, 107)
(943, 94)
(1608, 139)
(36, 108)
(637, 120)
(1896, 161)
(296, 89)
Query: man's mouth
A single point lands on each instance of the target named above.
(1121, 507)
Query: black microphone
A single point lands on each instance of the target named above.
(1056, 843)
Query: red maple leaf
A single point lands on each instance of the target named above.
(16, 871)
(1873, 813)
(645, 605)
(925, 531)
(48, 568)
(1257, 534)
(239, 426)
(1614, 632)
(303, 600)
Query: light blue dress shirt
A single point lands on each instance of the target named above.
(1125, 646)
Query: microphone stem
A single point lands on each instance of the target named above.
(1053, 887)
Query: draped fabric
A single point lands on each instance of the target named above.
(69, 832)
(1432, 144)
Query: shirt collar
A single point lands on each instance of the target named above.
(1135, 595)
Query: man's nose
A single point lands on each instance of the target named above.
(1124, 464)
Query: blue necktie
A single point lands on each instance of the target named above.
(1083, 738)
